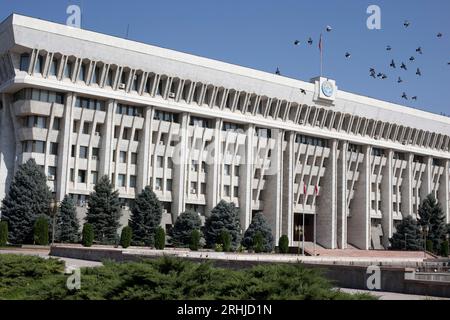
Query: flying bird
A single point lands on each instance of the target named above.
(329, 29)
(296, 42)
(399, 80)
(348, 55)
(404, 66)
(414, 98)
(404, 96)
(439, 35)
(383, 76)
(373, 73)
(388, 48)
(412, 59)
(310, 41)
(393, 64)
(406, 24)
(419, 50)
(418, 72)
(379, 75)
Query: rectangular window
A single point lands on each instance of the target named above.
(227, 170)
(76, 123)
(123, 157)
(116, 132)
(24, 62)
(226, 190)
(159, 162)
(203, 188)
(86, 127)
(53, 67)
(134, 157)
(98, 129)
(94, 177)
(132, 181)
(136, 135)
(81, 176)
(54, 148)
(95, 153)
(72, 151)
(158, 184)
(72, 175)
(82, 74)
(121, 180)
(236, 171)
(39, 146)
(193, 187)
(39, 64)
(169, 184)
(236, 192)
(52, 172)
(125, 133)
(169, 163)
(56, 123)
(83, 152)
(68, 70)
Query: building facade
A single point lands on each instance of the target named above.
(346, 167)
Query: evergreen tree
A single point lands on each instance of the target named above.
(432, 215)
(160, 239)
(104, 211)
(145, 217)
(28, 198)
(408, 236)
(223, 216)
(41, 231)
(126, 236)
(181, 232)
(283, 244)
(67, 229)
(259, 224)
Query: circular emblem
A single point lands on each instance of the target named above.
(327, 88)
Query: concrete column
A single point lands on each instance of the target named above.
(359, 222)
(245, 192)
(425, 188)
(145, 146)
(107, 141)
(444, 198)
(272, 203)
(407, 188)
(7, 145)
(64, 149)
(179, 169)
(386, 199)
(341, 196)
(326, 206)
(287, 227)
(213, 164)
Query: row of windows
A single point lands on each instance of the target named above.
(123, 157)
(166, 116)
(313, 141)
(129, 110)
(40, 122)
(92, 104)
(37, 146)
(126, 133)
(39, 95)
(83, 152)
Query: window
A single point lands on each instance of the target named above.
(109, 78)
(204, 167)
(92, 104)
(98, 129)
(38, 67)
(159, 162)
(24, 62)
(263, 133)
(134, 157)
(54, 148)
(236, 192)
(35, 122)
(132, 181)
(76, 123)
(82, 74)
(39, 95)
(53, 67)
(72, 152)
(114, 155)
(203, 188)
(226, 190)
(136, 135)
(193, 187)
(81, 176)
(52, 172)
(227, 170)
(121, 180)
(95, 153)
(83, 152)
(165, 116)
(68, 70)
(56, 123)
(125, 133)
(310, 141)
(236, 171)
(169, 163)
(123, 157)
(227, 126)
(169, 185)
(158, 184)
(86, 127)
(94, 177)
(116, 132)
(72, 174)
(199, 122)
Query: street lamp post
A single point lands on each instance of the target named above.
(299, 229)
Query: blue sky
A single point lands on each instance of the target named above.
(260, 34)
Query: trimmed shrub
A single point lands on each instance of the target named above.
(258, 242)
(160, 239)
(41, 231)
(88, 235)
(283, 244)
(444, 249)
(125, 237)
(225, 240)
(3, 233)
(195, 240)
(430, 246)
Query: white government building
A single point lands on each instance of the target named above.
(84, 104)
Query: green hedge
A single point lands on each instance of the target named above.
(195, 240)
(283, 244)
(3, 233)
(41, 231)
(88, 235)
(125, 237)
(160, 239)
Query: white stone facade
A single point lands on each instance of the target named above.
(85, 104)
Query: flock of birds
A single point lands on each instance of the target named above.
(381, 75)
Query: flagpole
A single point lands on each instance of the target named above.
(321, 56)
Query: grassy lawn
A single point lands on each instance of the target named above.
(27, 277)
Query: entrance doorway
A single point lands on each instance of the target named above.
(308, 228)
